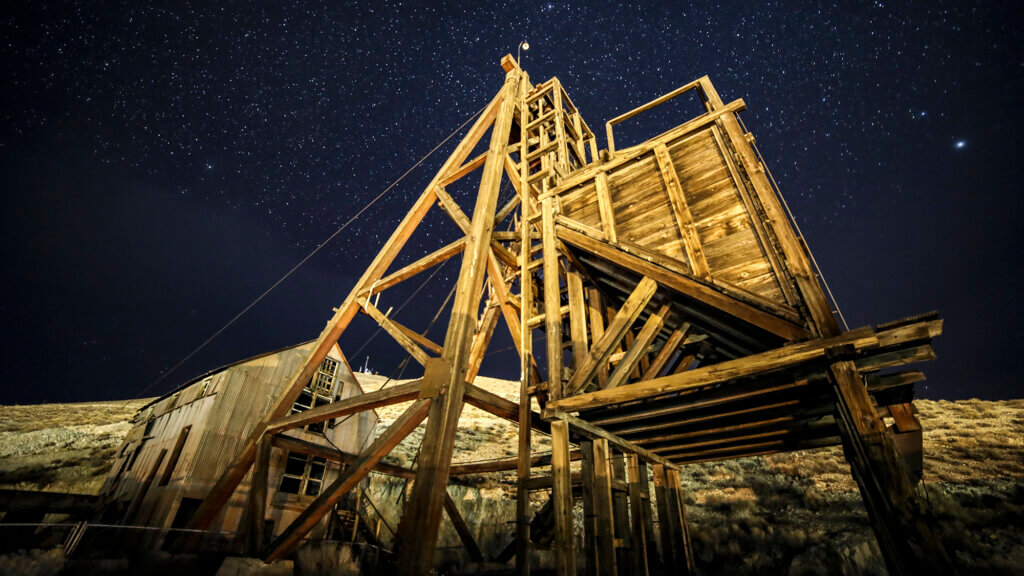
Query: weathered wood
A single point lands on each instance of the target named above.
(639, 535)
(577, 317)
(351, 405)
(332, 454)
(406, 272)
(590, 559)
(552, 301)
(682, 284)
(417, 533)
(684, 219)
(419, 338)
(462, 529)
(612, 335)
(638, 349)
(787, 356)
(503, 408)
(680, 528)
(561, 496)
(595, 311)
(620, 502)
(593, 432)
(604, 203)
(665, 520)
(348, 479)
(524, 340)
(667, 350)
(400, 336)
(604, 509)
(256, 504)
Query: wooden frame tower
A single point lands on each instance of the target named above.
(682, 322)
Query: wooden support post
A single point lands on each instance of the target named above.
(462, 528)
(417, 533)
(636, 510)
(397, 333)
(616, 330)
(561, 496)
(552, 300)
(681, 535)
(604, 509)
(908, 544)
(687, 228)
(604, 203)
(256, 509)
(654, 564)
(665, 519)
(589, 515)
(595, 310)
(347, 480)
(577, 317)
(620, 504)
(666, 352)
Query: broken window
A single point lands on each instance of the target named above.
(303, 474)
(205, 387)
(320, 391)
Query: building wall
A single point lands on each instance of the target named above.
(236, 399)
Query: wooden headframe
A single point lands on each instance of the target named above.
(683, 322)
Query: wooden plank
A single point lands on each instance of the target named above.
(561, 496)
(506, 464)
(462, 529)
(639, 533)
(604, 203)
(681, 210)
(492, 403)
(593, 432)
(406, 272)
(776, 359)
(590, 559)
(524, 340)
(665, 519)
(256, 503)
(552, 300)
(638, 349)
(614, 333)
(419, 338)
(350, 405)
(604, 509)
(620, 504)
(400, 336)
(683, 285)
(667, 350)
(577, 317)
(348, 479)
(904, 417)
(677, 507)
(463, 170)
(595, 310)
(452, 209)
(417, 533)
(332, 454)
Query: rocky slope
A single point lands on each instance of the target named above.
(797, 513)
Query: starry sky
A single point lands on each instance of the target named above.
(165, 164)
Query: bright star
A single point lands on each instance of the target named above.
(960, 144)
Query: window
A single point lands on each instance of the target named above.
(303, 474)
(134, 457)
(205, 387)
(173, 462)
(318, 392)
(173, 402)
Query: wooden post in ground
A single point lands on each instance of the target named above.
(256, 510)
(620, 504)
(589, 514)
(908, 543)
(636, 509)
(665, 518)
(681, 535)
(417, 533)
(604, 509)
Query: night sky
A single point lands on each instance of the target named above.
(162, 166)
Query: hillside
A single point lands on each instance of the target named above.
(797, 513)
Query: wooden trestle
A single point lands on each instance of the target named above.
(683, 323)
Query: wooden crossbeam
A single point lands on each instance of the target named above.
(348, 479)
(406, 272)
(682, 284)
(593, 432)
(400, 336)
(604, 204)
(612, 335)
(332, 454)
(787, 356)
(462, 529)
(350, 405)
(638, 349)
(667, 350)
(463, 170)
(492, 403)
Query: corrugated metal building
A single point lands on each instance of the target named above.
(182, 442)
